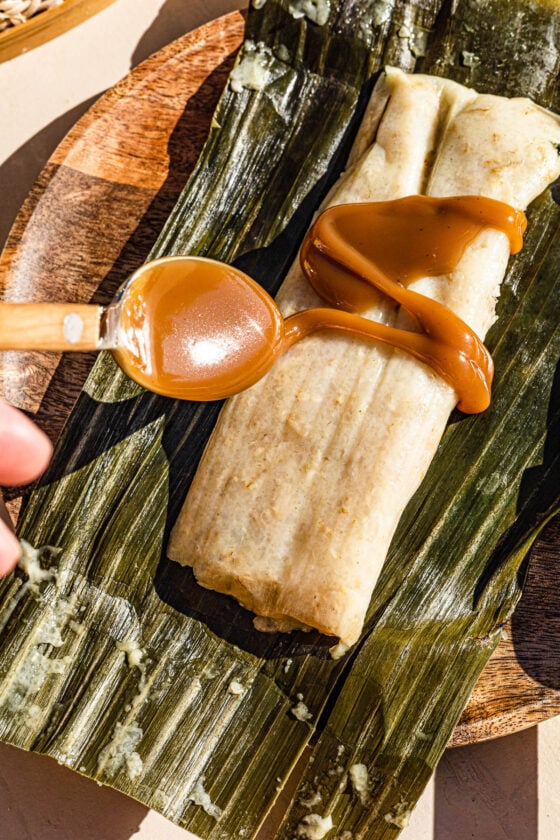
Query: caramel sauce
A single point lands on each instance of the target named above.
(196, 329)
(193, 328)
(354, 251)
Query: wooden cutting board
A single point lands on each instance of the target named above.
(91, 219)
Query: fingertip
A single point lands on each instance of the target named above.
(10, 550)
(42, 453)
(26, 449)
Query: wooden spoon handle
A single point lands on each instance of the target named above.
(50, 326)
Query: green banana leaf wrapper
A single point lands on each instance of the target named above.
(113, 661)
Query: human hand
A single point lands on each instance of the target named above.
(25, 452)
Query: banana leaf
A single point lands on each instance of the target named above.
(455, 569)
(113, 661)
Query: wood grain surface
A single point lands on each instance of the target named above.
(91, 219)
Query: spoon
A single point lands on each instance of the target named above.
(197, 329)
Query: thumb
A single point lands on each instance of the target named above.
(10, 549)
(25, 450)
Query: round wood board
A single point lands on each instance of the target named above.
(91, 219)
(46, 25)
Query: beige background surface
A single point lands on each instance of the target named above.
(501, 790)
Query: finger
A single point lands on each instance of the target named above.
(10, 549)
(25, 450)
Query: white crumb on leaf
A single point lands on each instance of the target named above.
(301, 712)
(314, 827)
(199, 796)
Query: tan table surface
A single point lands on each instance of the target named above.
(501, 790)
